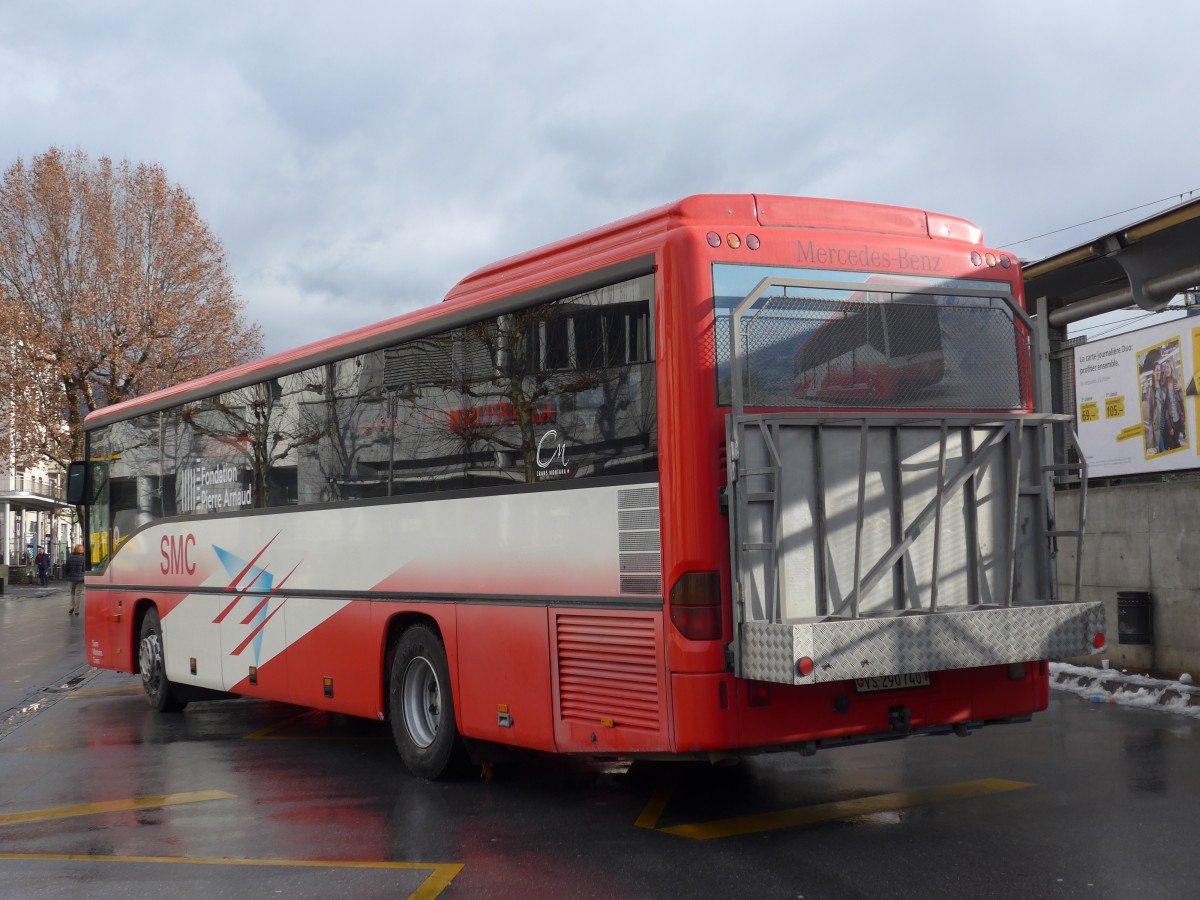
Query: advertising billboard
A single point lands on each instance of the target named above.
(1135, 400)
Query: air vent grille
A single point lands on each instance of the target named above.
(640, 541)
(608, 670)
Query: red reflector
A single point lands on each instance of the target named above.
(1098, 640)
(696, 606)
(758, 694)
(805, 666)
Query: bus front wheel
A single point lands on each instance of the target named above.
(160, 693)
(422, 707)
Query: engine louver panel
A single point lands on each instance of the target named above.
(640, 541)
(608, 669)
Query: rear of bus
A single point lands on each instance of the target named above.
(858, 530)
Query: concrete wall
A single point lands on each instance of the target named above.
(1140, 537)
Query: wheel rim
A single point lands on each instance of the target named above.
(422, 697)
(150, 661)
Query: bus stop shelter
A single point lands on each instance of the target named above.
(1139, 523)
(1142, 266)
(15, 505)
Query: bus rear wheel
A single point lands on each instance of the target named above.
(422, 706)
(160, 693)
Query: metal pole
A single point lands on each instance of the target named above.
(858, 524)
(937, 517)
(1045, 404)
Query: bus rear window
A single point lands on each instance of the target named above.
(824, 347)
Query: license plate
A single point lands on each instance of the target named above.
(891, 682)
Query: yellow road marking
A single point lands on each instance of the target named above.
(438, 880)
(656, 804)
(842, 809)
(130, 689)
(271, 732)
(108, 806)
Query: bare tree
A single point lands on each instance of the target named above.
(111, 285)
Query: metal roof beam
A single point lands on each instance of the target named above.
(1158, 291)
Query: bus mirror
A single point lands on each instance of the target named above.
(77, 483)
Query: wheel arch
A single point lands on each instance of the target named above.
(140, 607)
(396, 626)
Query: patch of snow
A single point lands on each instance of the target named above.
(1127, 689)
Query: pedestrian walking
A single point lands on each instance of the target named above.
(74, 573)
(42, 561)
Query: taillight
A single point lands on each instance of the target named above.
(696, 606)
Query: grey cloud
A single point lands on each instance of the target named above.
(357, 160)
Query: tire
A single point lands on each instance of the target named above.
(160, 693)
(422, 706)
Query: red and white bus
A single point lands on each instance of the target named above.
(582, 505)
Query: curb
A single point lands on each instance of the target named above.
(1125, 688)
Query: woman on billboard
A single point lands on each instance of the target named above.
(1174, 421)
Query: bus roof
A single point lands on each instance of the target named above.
(720, 211)
(553, 263)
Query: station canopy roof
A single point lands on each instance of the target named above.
(1144, 264)
(27, 501)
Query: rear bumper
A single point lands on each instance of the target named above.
(859, 648)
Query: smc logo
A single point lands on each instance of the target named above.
(177, 554)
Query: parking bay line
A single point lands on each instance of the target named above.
(272, 732)
(129, 690)
(439, 879)
(108, 806)
(824, 812)
(432, 886)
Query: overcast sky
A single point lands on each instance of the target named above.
(359, 158)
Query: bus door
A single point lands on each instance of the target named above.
(89, 488)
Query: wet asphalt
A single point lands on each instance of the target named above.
(41, 646)
(101, 797)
